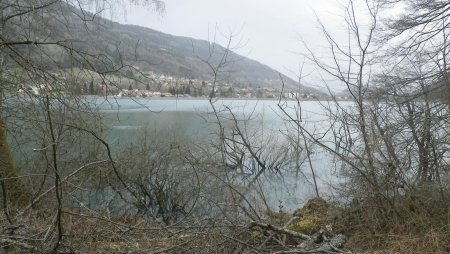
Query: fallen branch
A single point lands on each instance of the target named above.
(280, 230)
(22, 245)
(310, 244)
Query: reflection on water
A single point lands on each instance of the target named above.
(193, 118)
(192, 121)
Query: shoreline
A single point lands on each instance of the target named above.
(207, 99)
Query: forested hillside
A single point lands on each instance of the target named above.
(111, 45)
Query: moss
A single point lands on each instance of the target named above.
(312, 217)
(315, 206)
(255, 233)
(307, 226)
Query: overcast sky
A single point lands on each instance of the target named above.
(271, 31)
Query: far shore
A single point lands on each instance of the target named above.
(217, 98)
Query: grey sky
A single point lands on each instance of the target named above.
(270, 30)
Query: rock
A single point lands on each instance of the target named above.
(338, 241)
(312, 218)
(313, 206)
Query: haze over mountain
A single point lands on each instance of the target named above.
(161, 53)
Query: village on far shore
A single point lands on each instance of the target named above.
(160, 85)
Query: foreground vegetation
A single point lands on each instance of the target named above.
(65, 188)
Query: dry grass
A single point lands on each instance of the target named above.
(415, 223)
(100, 234)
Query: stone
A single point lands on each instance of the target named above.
(312, 218)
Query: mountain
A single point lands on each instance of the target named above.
(185, 57)
(116, 44)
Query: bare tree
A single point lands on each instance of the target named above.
(37, 90)
(389, 140)
(421, 32)
(351, 65)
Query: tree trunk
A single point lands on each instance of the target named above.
(14, 191)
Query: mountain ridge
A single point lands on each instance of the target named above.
(258, 74)
(111, 45)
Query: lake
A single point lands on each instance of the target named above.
(193, 118)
